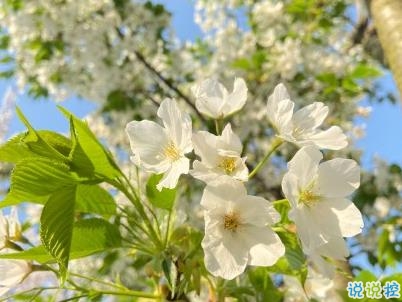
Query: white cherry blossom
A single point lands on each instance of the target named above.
(161, 149)
(301, 127)
(12, 272)
(10, 227)
(317, 193)
(220, 155)
(316, 287)
(214, 100)
(237, 231)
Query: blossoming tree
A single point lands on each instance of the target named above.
(223, 167)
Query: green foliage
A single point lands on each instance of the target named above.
(34, 179)
(265, 289)
(163, 199)
(88, 154)
(63, 175)
(90, 236)
(57, 222)
(94, 199)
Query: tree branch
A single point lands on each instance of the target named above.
(141, 58)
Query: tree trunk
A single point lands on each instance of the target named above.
(387, 15)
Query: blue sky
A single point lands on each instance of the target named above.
(384, 126)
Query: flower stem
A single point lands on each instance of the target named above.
(279, 201)
(275, 145)
(218, 126)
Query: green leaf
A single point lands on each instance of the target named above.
(170, 270)
(88, 154)
(56, 230)
(103, 236)
(16, 149)
(34, 179)
(265, 290)
(161, 199)
(364, 71)
(94, 199)
(294, 261)
(38, 145)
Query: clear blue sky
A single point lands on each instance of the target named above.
(384, 126)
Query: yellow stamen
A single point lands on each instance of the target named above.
(228, 164)
(171, 151)
(308, 197)
(231, 221)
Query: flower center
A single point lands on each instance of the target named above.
(231, 221)
(171, 151)
(308, 198)
(228, 164)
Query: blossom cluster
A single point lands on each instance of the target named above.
(238, 226)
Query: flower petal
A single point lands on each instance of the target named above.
(290, 187)
(308, 229)
(280, 109)
(349, 217)
(229, 140)
(221, 191)
(147, 139)
(265, 247)
(332, 138)
(338, 177)
(236, 100)
(170, 178)
(305, 165)
(210, 96)
(224, 257)
(205, 146)
(310, 116)
(177, 125)
(257, 211)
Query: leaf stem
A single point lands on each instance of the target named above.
(275, 145)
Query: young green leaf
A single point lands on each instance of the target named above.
(34, 179)
(161, 199)
(15, 149)
(38, 145)
(88, 154)
(94, 199)
(103, 236)
(57, 222)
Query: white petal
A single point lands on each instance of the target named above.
(230, 141)
(3, 290)
(203, 172)
(349, 217)
(280, 109)
(307, 228)
(241, 172)
(147, 139)
(256, 211)
(13, 272)
(221, 191)
(170, 178)
(338, 178)
(335, 248)
(205, 146)
(210, 96)
(236, 100)
(305, 165)
(265, 246)
(332, 138)
(310, 116)
(290, 188)
(177, 125)
(224, 257)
